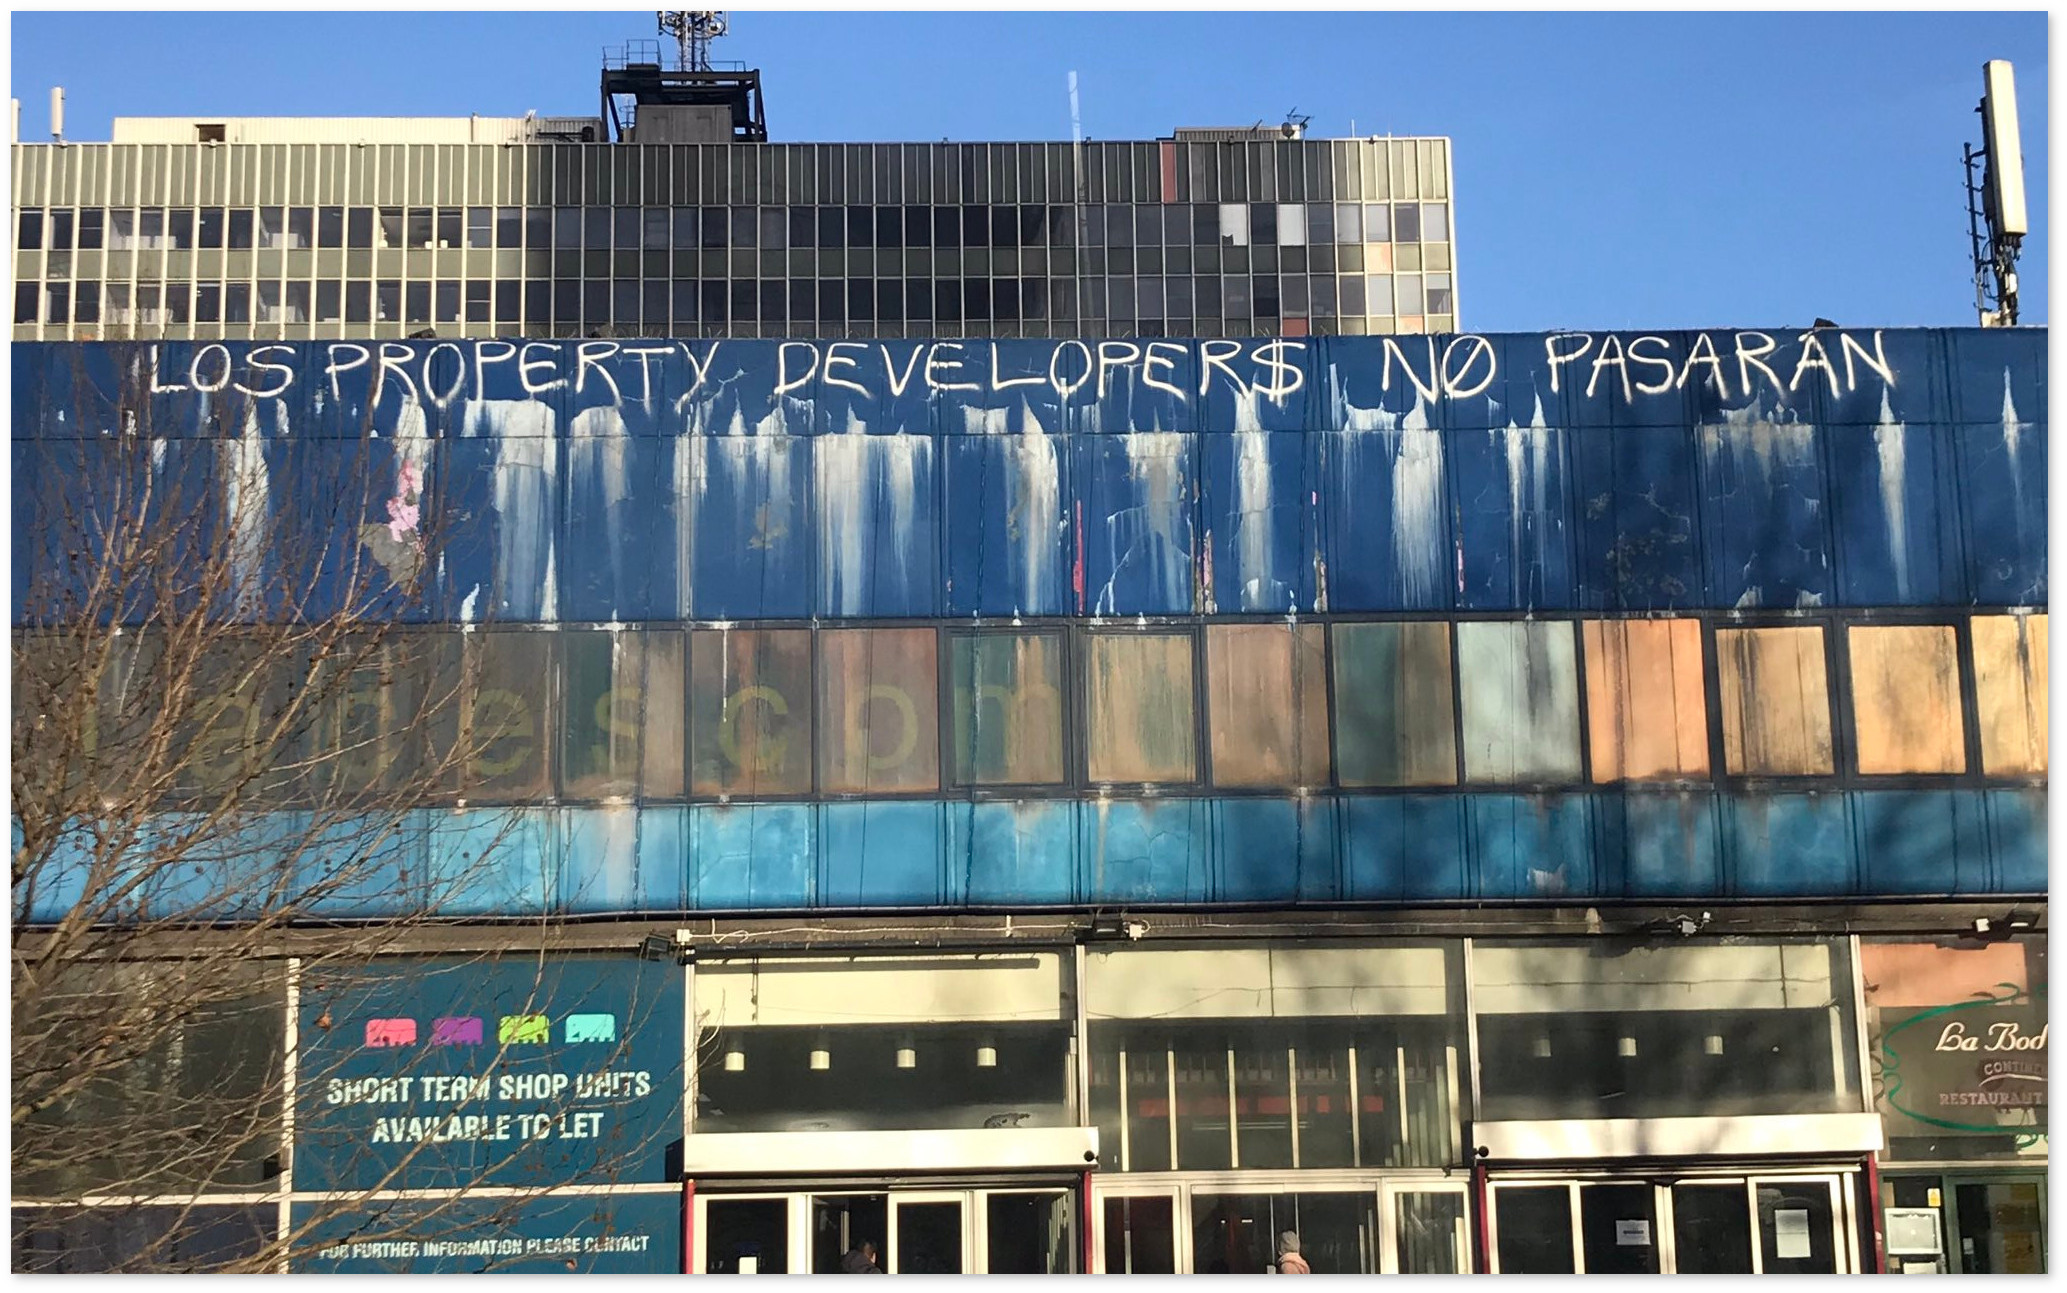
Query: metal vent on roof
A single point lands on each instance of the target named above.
(1230, 134)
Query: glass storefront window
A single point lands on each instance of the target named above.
(1274, 1058)
(1236, 1234)
(1617, 1029)
(883, 1043)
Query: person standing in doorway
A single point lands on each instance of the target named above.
(1289, 1260)
(861, 1260)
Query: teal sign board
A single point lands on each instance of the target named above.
(604, 1234)
(453, 1073)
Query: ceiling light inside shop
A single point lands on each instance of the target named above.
(1712, 1044)
(1626, 1048)
(735, 1060)
(907, 1057)
(821, 1060)
(1542, 1047)
(986, 1057)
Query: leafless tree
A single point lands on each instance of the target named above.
(230, 748)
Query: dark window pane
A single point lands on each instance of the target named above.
(29, 232)
(1119, 226)
(86, 303)
(179, 226)
(207, 304)
(1007, 690)
(93, 220)
(774, 229)
(918, 300)
(947, 226)
(802, 300)
(860, 227)
(58, 304)
(359, 227)
(329, 301)
(624, 306)
(947, 301)
(918, 227)
(448, 301)
(746, 226)
(976, 300)
(514, 225)
(416, 303)
(745, 301)
(832, 301)
(236, 307)
(388, 227)
(359, 302)
(685, 228)
(508, 303)
(1406, 222)
(624, 228)
(803, 226)
(653, 307)
(713, 303)
(61, 230)
(567, 227)
(976, 226)
(832, 227)
(861, 305)
(1320, 224)
(478, 231)
(772, 295)
(538, 303)
(713, 224)
(684, 303)
(595, 228)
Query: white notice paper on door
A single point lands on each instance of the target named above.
(1633, 1234)
(1791, 1232)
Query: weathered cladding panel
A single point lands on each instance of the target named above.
(1519, 695)
(1775, 701)
(2010, 681)
(1378, 497)
(1393, 692)
(1906, 711)
(1646, 700)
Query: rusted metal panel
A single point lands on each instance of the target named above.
(2010, 693)
(1906, 712)
(1775, 701)
(1646, 699)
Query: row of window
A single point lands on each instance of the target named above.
(1229, 224)
(784, 712)
(660, 305)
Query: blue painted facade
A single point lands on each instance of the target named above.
(743, 481)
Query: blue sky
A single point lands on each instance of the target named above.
(1613, 170)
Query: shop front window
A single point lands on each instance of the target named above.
(883, 1044)
(1282, 1058)
(1621, 1030)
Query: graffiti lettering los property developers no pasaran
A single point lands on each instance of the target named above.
(1731, 365)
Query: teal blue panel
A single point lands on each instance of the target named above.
(2017, 839)
(1144, 851)
(1922, 841)
(623, 859)
(1794, 845)
(1531, 846)
(882, 854)
(751, 856)
(1012, 854)
(495, 861)
(1275, 850)
(1398, 847)
(544, 1234)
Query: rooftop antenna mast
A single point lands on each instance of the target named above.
(693, 30)
(1996, 218)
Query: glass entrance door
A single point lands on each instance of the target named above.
(1428, 1231)
(929, 1234)
(1026, 1229)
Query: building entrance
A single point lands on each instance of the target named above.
(1012, 1228)
(1792, 1223)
